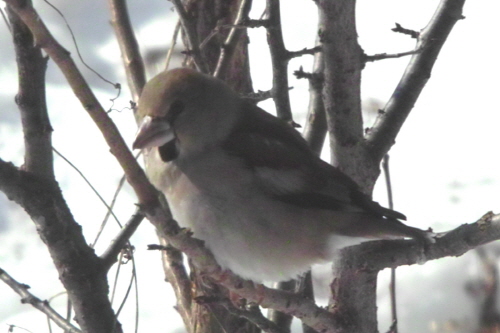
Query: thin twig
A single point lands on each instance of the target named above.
(409, 32)
(109, 257)
(382, 135)
(232, 39)
(392, 285)
(109, 209)
(77, 48)
(279, 59)
(132, 59)
(28, 298)
(305, 51)
(172, 44)
(176, 274)
(109, 212)
(382, 56)
(191, 37)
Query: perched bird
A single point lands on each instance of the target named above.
(247, 184)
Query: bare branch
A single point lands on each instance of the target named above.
(74, 259)
(109, 257)
(312, 51)
(409, 32)
(279, 59)
(316, 128)
(341, 89)
(28, 298)
(453, 243)
(382, 135)
(132, 59)
(286, 302)
(177, 276)
(358, 268)
(172, 44)
(382, 56)
(31, 100)
(232, 39)
(374, 256)
(191, 36)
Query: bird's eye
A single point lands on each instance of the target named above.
(174, 111)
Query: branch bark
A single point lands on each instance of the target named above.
(132, 59)
(382, 135)
(43, 306)
(30, 99)
(341, 90)
(80, 270)
(279, 59)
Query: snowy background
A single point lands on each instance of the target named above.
(444, 165)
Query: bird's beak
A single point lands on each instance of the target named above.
(153, 132)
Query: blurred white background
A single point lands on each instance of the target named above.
(444, 165)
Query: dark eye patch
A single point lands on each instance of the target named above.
(169, 151)
(175, 109)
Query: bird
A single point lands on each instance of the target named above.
(246, 182)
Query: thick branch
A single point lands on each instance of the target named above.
(132, 59)
(382, 135)
(31, 100)
(341, 89)
(80, 270)
(43, 306)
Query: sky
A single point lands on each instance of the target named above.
(444, 166)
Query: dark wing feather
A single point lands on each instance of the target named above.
(289, 171)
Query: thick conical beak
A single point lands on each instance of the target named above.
(153, 132)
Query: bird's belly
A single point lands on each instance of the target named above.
(260, 240)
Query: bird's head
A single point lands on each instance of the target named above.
(184, 112)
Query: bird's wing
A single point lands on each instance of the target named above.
(286, 168)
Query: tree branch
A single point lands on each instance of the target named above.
(191, 37)
(80, 270)
(312, 51)
(341, 89)
(36, 190)
(381, 136)
(279, 59)
(232, 39)
(132, 59)
(110, 256)
(178, 278)
(31, 100)
(28, 298)
(382, 56)
(411, 33)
